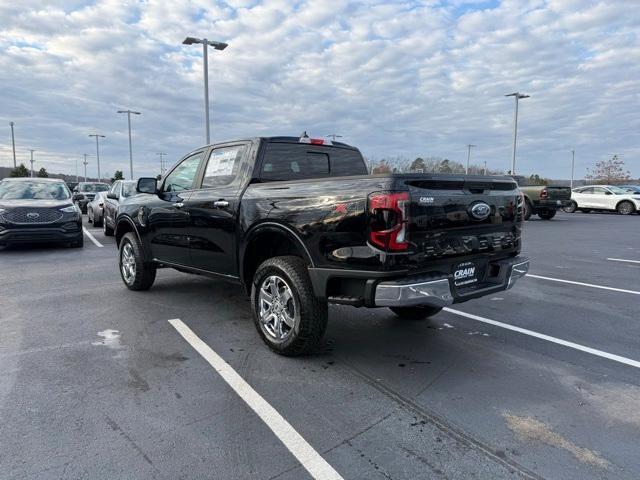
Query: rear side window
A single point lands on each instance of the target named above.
(284, 161)
(222, 168)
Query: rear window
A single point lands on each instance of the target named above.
(286, 161)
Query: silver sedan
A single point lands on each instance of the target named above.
(95, 209)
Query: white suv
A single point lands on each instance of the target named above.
(603, 197)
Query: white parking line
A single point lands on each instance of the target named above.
(92, 238)
(548, 338)
(311, 460)
(622, 290)
(623, 260)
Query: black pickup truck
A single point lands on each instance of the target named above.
(299, 223)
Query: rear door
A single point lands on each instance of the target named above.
(168, 222)
(601, 197)
(213, 207)
(110, 204)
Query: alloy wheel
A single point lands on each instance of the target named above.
(128, 263)
(278, 311)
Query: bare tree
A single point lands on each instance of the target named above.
(609, 171)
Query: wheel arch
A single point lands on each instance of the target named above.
(267, 240)
(635, 208)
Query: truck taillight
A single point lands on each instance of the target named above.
(388, 220)
(544, 193)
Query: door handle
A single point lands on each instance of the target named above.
(221, 203)
(178, 205)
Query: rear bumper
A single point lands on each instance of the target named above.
(553, 204)
(439, 292)
(50, 234)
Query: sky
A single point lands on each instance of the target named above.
(394, 78)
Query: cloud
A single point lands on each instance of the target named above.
(394, 78)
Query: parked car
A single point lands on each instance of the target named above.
(603, 197)
(543, 200)
(120, 190)
(95, 209)
(72, 185)
(86, 191)
(38, 210)
(299, 223)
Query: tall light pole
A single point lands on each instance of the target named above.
(32, 160)
(333, 136)
(573, 164)
(97, 153)
(485, 168)
(161, 154)
(218, 46)
(469, 146)
(85, 163)
(517, 96)
(13, 144)
(129, 112)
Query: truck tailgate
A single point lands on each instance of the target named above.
(461, 217)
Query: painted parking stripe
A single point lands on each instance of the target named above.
(590, 285)
(548, 338)
(309, 458)
(92, 238)
(623, 260)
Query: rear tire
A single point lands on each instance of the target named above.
(571, 208)
(547, 214)
(108, 232)
(90, 215)
(286, 312)
(135, 272)
(415, 313)
(625, 207)
(528, 209)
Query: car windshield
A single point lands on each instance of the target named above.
(94, 187)
(618, 190)
(33, 191)
(128, 189)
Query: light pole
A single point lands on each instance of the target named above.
(98, 153)
(32, 160)
(218, 46)
(333, 136)
(573, 163)
(129, 112)
(485, 168)
(469, 146)
(161, 154)
(517, 96)
(85, 163)
(13, 144)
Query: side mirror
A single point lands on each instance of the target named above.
(112, 196)
(147, 185)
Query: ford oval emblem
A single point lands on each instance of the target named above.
(480, 210)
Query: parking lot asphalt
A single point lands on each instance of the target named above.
(96, 383)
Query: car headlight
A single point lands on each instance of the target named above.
(70, 209)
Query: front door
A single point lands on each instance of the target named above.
(213, 210)
(168, 221)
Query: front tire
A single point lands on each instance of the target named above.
(288, 316)
(625, 207)
(108, 232)
(415, 313)
(528, 209)
(571, 208)
(547, 214)
(134, 271)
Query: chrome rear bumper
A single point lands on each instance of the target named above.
(437, 292)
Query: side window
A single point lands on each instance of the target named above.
(599, 191)
(223, 166)
(284, 161)
(587, 191)
(183, 176)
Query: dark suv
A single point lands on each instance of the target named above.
(38, 211)
(84, 192)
